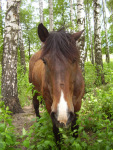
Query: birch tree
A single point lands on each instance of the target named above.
(41, 11)
(1, 33)
(88, 11)
(106, 35)
(71, 14)
(21, 48)
(51, 15)
(91, 39)
(81, 24)
(97, 43)
(9, 68)
(87, 44)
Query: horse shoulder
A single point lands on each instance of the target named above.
(78, 92)
(38, 75)
(34, 58)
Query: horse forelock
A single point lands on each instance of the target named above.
(60, 43)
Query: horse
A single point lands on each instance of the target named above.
(56, 75)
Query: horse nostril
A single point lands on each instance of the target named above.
(70, 117)
(62, 125)
(71, 114)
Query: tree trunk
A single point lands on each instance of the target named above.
(9, 68)
(29, 48)
(90, 34)
(97, 43)
(106, 35)
(21, 47)
(51, 15)
(41, 11)
(1, 33)
(86, 47)
(72, 15)
(91, 41)
(81, 22)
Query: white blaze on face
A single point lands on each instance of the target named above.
(62, 109)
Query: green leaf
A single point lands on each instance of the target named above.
(2, 145)
(24, 132)
(26, 142)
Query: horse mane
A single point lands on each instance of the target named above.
(61, 43)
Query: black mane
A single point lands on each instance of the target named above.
(61, 43)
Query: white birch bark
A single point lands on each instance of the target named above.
(91, 40)
(106, 35)
(97, 42)
(41, 11)
(81, 24)
(1, 33)
(72, 15)
(51, 15)
(9, 68)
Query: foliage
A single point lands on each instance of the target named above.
(0, 79)
(95, 130)
(29, 24)
(95, 118)
(7, 136)
(40, 135)
(61, 13)
(24, 95)
(96, 115)
(90, 76)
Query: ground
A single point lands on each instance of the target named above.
(23, 120)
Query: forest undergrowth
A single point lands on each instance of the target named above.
(95, 119)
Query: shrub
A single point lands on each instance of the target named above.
(7, 136)
(40, 135)
(90, 76)
(24, 87)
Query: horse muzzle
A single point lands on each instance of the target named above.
(63, 123)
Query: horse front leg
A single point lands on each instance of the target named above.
(74, 126)
(57, 135)
(36, 104)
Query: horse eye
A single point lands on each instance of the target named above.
(44, 61)
(74, 60)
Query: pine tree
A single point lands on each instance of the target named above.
(9, 68)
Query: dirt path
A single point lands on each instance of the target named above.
(23, 120)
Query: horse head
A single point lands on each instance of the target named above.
(61, 64)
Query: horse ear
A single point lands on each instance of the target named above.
(42, 32)
(77, 35)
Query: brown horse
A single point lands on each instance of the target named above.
(55, 73)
